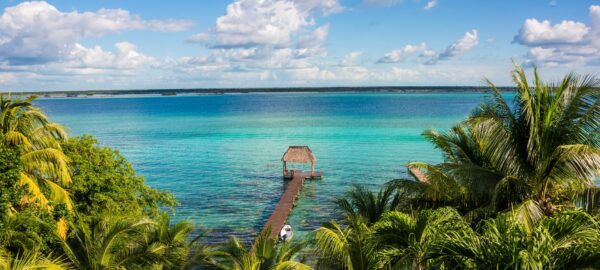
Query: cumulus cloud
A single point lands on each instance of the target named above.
(430, 4)
(535, 32)
(428, 56)
(312, 44)
(250, 23)
(566, 42)
(280, 37)
(467, 43)
(125, 57)
(7, 77)
(37, 32)
(350, 59)
(404, 73)
(396, 56)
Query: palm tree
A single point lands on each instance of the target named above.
(30, 260)
(361, 202)
(349, 247)
(465, 180)
(265, 254)
(109, 242)
(403, 241)
(164, 245)
(22, 232)
(567, 240)
(545, 147)
(45, 171)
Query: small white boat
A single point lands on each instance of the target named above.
(286, 233)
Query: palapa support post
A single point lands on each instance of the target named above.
(298, 154)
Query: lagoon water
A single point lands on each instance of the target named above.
(220, 154)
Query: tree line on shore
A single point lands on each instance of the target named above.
(515, 190)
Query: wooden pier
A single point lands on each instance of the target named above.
(283, 208)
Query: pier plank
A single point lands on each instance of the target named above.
(284, 207)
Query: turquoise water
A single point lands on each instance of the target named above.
(220, 154)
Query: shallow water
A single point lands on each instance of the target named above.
(220, 154)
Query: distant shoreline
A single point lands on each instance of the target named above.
(175, 92)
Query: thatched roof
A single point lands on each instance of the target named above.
(298, 154)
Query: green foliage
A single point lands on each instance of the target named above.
(567, 240)
(110, 228)
(407, 242)
(395, 241)
(523, 238)
(349, 247)
(10, 168)
(104, 242)
(27, 230)
(113, 242)
(44, 171)
(265, 254)
(103, 181)
(170, 242)
(30, 260)
(545, 147)
(360, 202)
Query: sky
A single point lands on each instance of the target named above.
(89, 45)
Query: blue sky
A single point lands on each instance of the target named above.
(71, 45)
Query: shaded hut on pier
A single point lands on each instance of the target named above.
(298, 154)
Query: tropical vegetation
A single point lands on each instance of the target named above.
(516, 190)
(543, 147)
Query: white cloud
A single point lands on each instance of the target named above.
(37, 32)
(124, 61)
(324, 7)
(250, 23)
(125, 57)
(535, 32)
(467, 43)
(567, 42)
(408, 50)
(405, 73)
(313, 44)
(7, 78)
(313, 73)
(428, 56)
(350, 59)
(430, 4)
(279, 36)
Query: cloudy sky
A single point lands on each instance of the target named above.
(72, 45)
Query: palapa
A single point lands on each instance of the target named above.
(298, 154)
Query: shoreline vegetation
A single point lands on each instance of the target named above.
(222, 91)
(515, 190)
